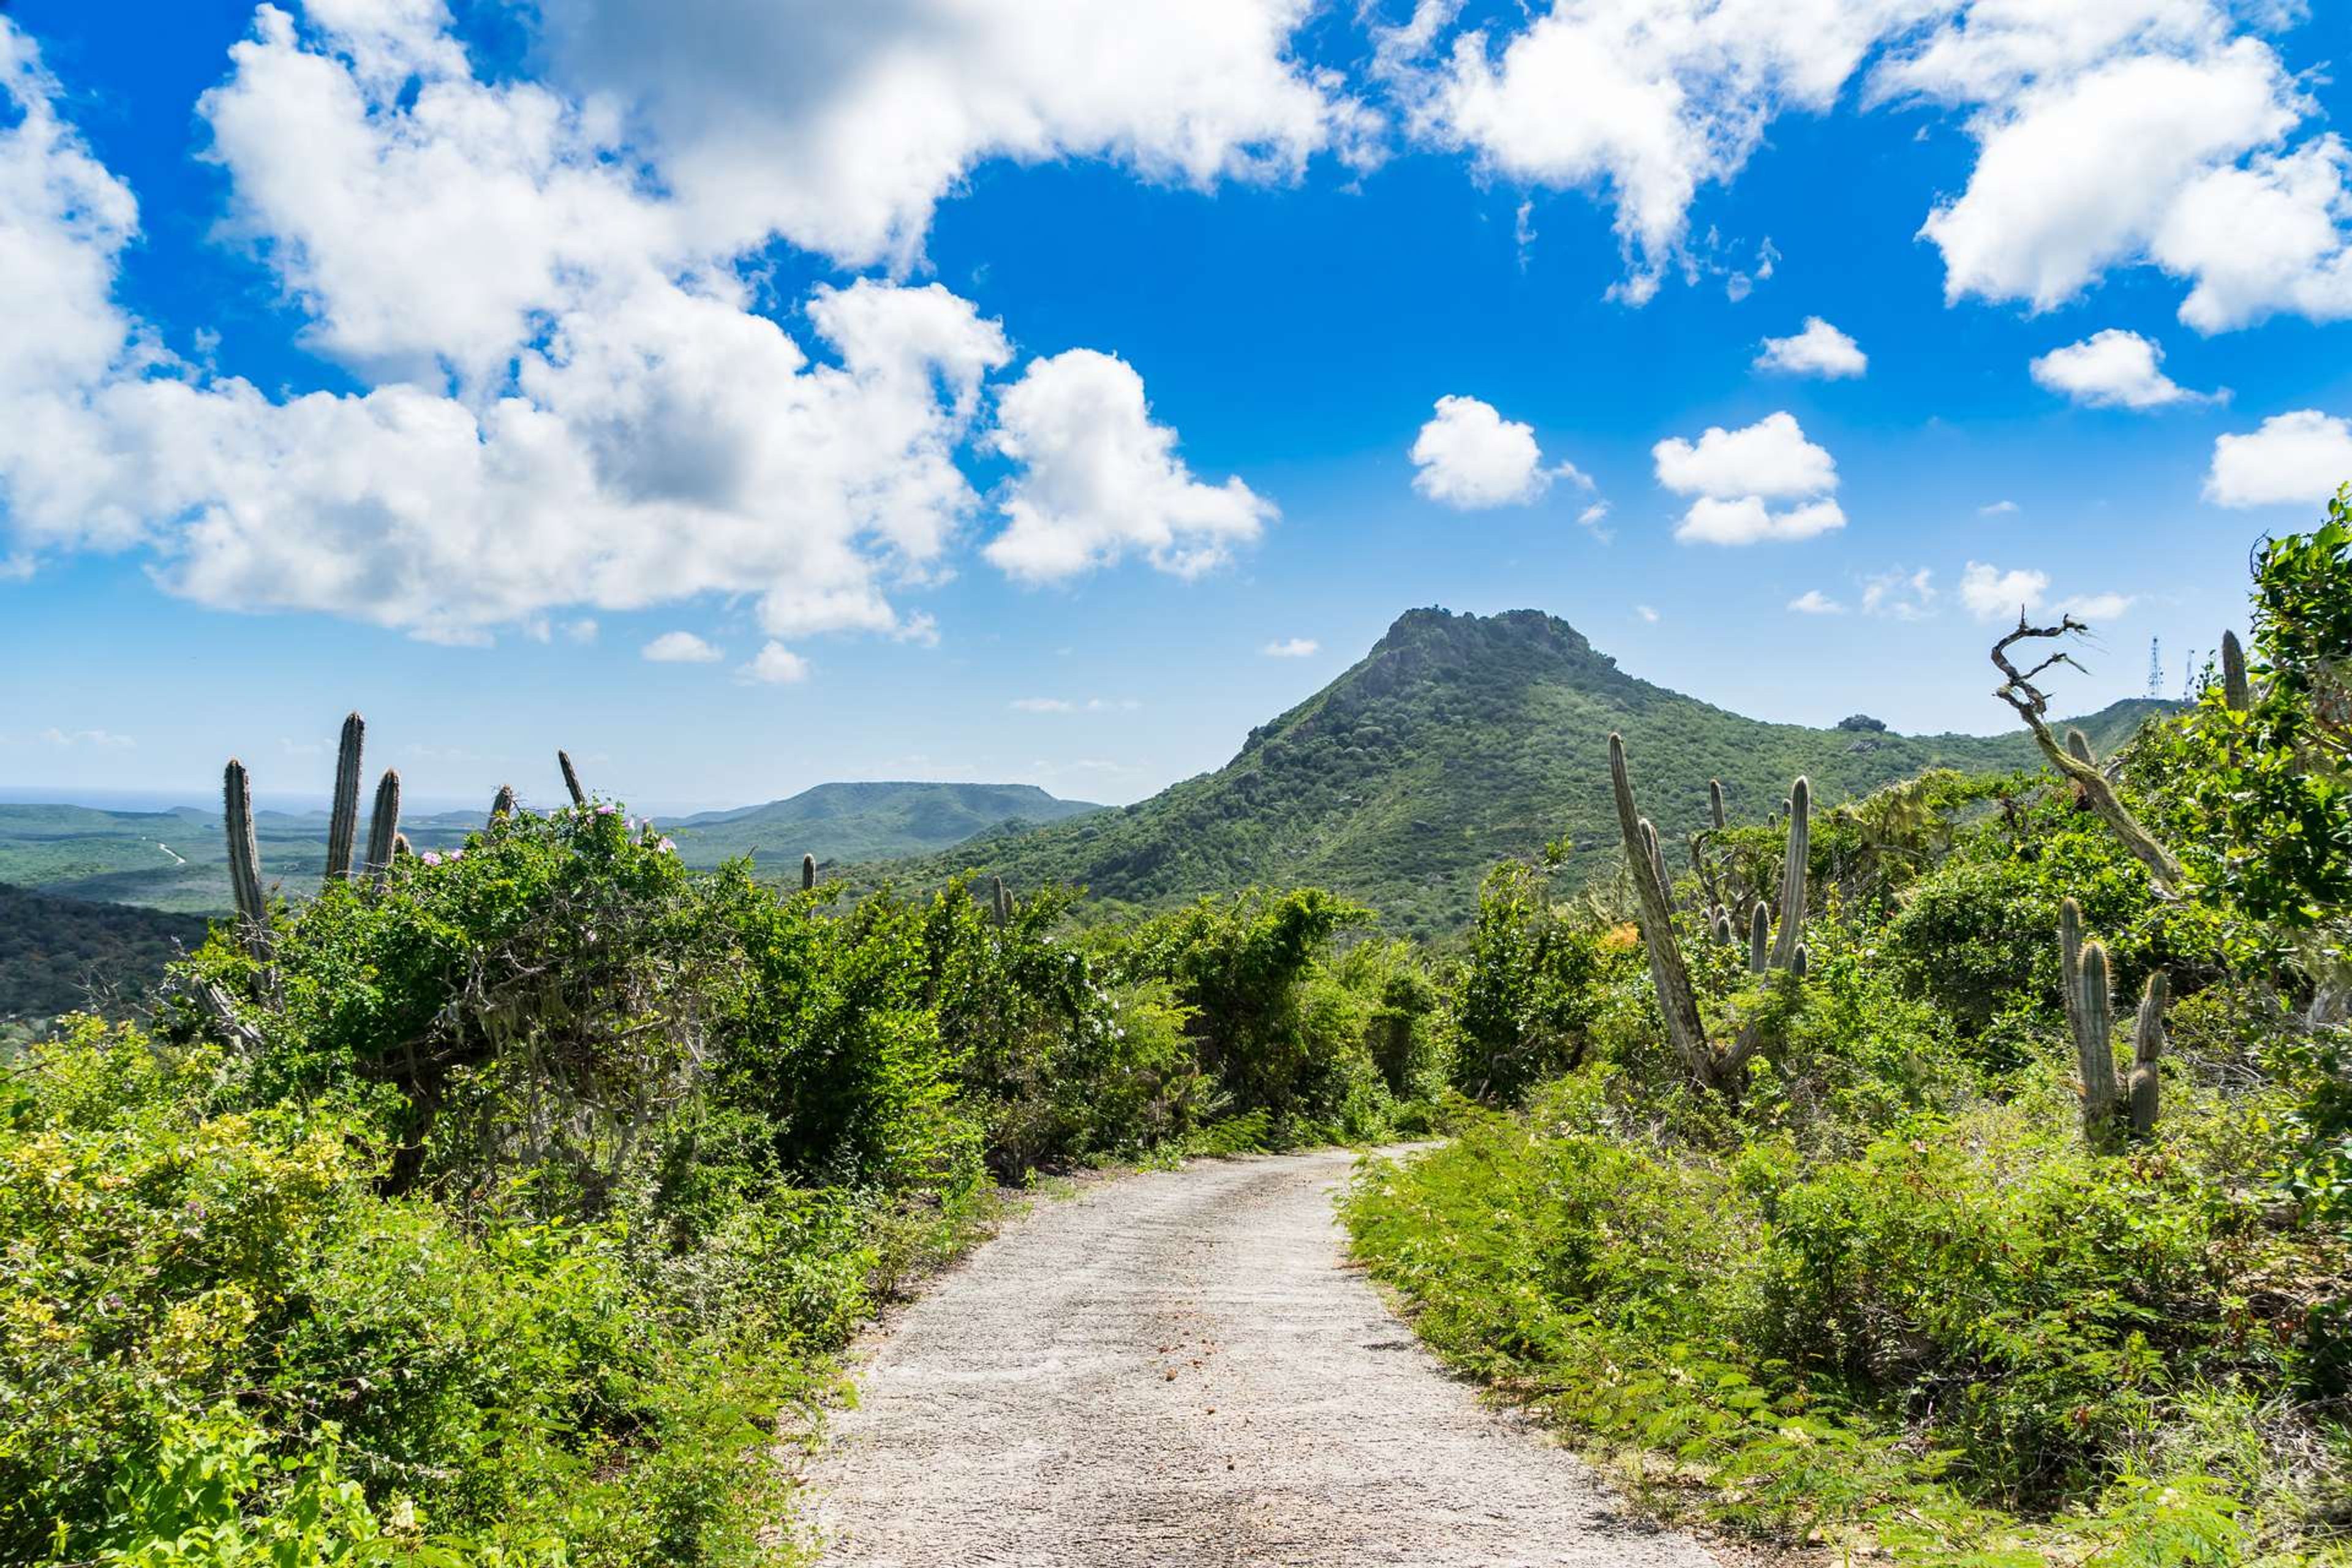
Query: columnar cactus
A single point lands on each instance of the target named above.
(2236, 693)
(502, 804)
(243, 857)
(1793, 875)
(1719, 927)
(808, 872)
(2108, 1094)
(1759, 938)
(2095, 1057)
(383, 827)
(1715, 1067)
(571, 778)
(343, 823)
(2147, 1045)
(1715, 801)
(999, 902)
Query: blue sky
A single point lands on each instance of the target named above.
(983, 391)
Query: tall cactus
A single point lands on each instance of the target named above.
(502, 804)
(243, 857)
(1793, 875)
(2147, 1045)
(808, 872)
(383, 827)
(1000, 904)
(2078, 746)
(1715, 801)
(1686, 1031)
(2095, 1057)
(571, 778)
(1720, 926)
(1759, 938)
(343, 823)
(2237, 693)
(2070, 964)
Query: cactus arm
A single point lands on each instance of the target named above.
(1678, 1004)
(2147, 1045)
(343, 823)
(571, 778)
(243, 857)
(808, 872)
(503, 803)
(383, 826)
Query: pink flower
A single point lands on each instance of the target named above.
(666, 847)
(457, 855)
(603, 810)
(432, 857)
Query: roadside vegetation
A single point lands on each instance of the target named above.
(504, 1201)
(2005, 1213)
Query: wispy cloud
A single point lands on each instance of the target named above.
(1291, 647)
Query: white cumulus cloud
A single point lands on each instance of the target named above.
(774, 665)
(680, 647)
(1991, 595)
(1813, 601)
(1734, 475)
(1098, 480)
(843, 126)
(1291, 647)
(2112, 369)
(1469, 456)
(2296, 459)
(1819, 350)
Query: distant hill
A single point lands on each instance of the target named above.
(1459, 739)
(867, 822)
(177, 861)
(60, 954)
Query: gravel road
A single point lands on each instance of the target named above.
(1177, 1369)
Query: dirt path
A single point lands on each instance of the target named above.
(1176, 1369)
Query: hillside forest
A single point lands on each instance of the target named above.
(1960, 1172)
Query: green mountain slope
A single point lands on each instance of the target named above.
(866, 821)
(1459, 739)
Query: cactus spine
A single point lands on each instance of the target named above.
(1715, 801)
(243, 857)
(343, 823)
(503, 803)
(2236, 693)
(383, 826)
(808, 872)
(2147, 1045)
(571, 778)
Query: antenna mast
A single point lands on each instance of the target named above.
(2155, 667)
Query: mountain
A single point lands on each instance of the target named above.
(59, 954)
(1459, 739)
(177, 859)
(866, 822)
